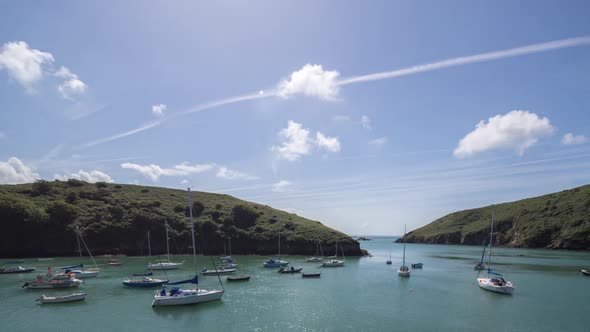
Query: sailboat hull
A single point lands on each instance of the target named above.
(165, 266)
(491, 285)
(187, 296)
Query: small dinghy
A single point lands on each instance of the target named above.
(220, 270)
(290, 270)
(417, 265)
(585, 272)
(310, 275)
(114, 262)
(18, 269)
(62, 299)
(238, 278)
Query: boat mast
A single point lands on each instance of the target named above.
(78, 240)
(279, 243)
(149, 245)
(229, 246)
(491, 241)
(167, 245)
(404, 259)
(190, 213)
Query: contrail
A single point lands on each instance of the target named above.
(512, 52)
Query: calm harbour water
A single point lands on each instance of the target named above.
(365, 295)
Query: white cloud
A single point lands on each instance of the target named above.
(92, 176)
(516, 130)
(296, 142)
(23, 63)
(570, 139)
(154, 172)
(378, 142)
(281, 186)
(226, 173)
(71, 86)
(366, 122)
(158, 109)
(15, 171)
(328, 143)
(311, 81)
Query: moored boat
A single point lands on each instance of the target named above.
(145, 282)
(404, 271)
(275, 262)
(585, 272)
(334, 261)
(62, 299)
(18, 269)
(310, 275)
(417, 265)
(238, 278)
(114, 262)
(494, 281)
(290, 270)
(220, 270)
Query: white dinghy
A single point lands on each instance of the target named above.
(62, 299)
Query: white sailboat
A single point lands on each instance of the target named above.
(166, 264)
(317, 257)
(495, 282)
(179, 296)
(146, 281)
(227, 262)
(276, 262)
(79, 271)
(404, 270)
(334, 261)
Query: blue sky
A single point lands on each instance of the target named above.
(269, 101)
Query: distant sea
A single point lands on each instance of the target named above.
(364, 295)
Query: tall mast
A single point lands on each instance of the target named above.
(190, 213)
(149, 245)
(279, 243)
(491, 241)
(167, 245)
(78, 240)
(404, 259)
(230, 246)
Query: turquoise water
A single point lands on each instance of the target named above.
(365, 295)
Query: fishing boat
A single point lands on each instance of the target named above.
(276, 262)
(334, 261)
(310, 275)
(220, 270)
(481, 265)
(585, 272)
(317, 257)
(62, 299)
(178, 296)
(114, 262)
(238, 278)
(494, 281)
(145, 282)
(417, 265)
(48, 282)
(290, 270)
(404, 271)
(17, 269)
(167, 264)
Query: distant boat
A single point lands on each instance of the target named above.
(290, 270)
(114, 262)
(388, 262)
(44, 259)
(496, 282)
(317, 257)
(417, 265)
(481, 266)
(403, 270)
(71, 271)
(276, 262)
(238, 278)
(227, 261)
(585, 272)
(17, 269)
(178, 296)
(48, 282)
(145, 282)
(334, 261)
(61, 299)
(310, 275)
(165, 265)
(220, 270)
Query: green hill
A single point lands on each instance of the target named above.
(557, 221)
(39, 219)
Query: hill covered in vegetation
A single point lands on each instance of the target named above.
(40, 219)
(557, 221)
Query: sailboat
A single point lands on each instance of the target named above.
(146, 281)
(495, 282)
(404, 271)
(227, 262)
(481, 265)
(276, 262)
(388, 262)
(334, 261)
(48, 282)
(317, 257)
(166, 264)
(78, 271)
(178, 296)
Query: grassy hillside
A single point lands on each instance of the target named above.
(39, 219)
(559, 221)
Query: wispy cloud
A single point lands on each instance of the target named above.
(366, 122)
(296, 142)
(123, 134)
(154, 172)
(281, 186)
(229, 174)
(88, 176)
(571, 139)
(159, 109)
(482, 57)
(378, 142)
